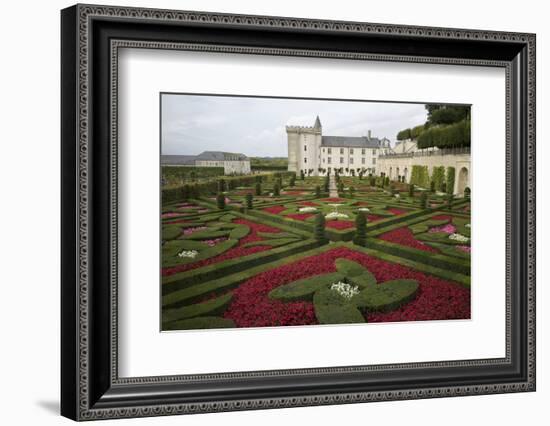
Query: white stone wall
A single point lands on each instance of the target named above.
(349, 158)
(229, 167)
(394, 166)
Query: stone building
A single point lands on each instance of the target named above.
(315, 154)
(232, 163)
(399, 162)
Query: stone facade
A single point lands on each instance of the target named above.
(232, 163)
(395, 164)
(315, 154)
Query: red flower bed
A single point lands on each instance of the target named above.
(340, 224)
(173, 222)
(333, 200)
(405, 237)
(361, 203)
(237, 251)
(274, 209)
(441, 217)
(373, 218)
(397, 212)
(437, 299)
(300, 216)
(308, 204)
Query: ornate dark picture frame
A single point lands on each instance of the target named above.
(91, 37)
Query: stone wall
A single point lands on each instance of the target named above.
(401, 165)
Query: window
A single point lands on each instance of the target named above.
(341, 160)
(341, 150)
(323, 160)
(363, 160)
(374, 161)
(363, 151)
(373, 152)
(351, 150)
(351, 160)
(329, 160)
(323, 149)
(329, 151)
(305, 160)
(305, 147)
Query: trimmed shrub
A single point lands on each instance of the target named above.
(387, 181)
(220, 201)
(443, 187)
(317, 191)
(340, 187)
(277, 189)
(351, 191)
(423, 201)
(411, 190)
(420, 176)
(438, 177)
(327, 184)
(450, 198)
(319, 231)
(302, 175)
(222, 187)
(258, 188)
(432, 186)
(304, 288)
(467, 192)
(199, 323)
(249, 201)
(360, 229)
(450, 180)
(292, 181)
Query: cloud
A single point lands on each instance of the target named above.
(256, 126)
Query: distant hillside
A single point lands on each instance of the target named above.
(268, 163)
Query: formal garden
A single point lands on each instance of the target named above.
(276, 249)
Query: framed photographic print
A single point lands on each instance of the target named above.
(265, 212)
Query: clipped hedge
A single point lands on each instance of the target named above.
(420, 176)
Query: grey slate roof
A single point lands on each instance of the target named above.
(177, 160)
(350, 142)
(220, 156)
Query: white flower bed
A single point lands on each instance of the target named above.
(363, 209)
(397, 196)
(335, 205)
(344, 289)
(467, 225)
(188, 253)
(336, 215)
(458, 237)
(307, 209)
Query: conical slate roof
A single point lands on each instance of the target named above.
(317, 124)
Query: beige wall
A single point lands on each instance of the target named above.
(394, 166)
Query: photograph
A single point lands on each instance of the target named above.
(279, 211)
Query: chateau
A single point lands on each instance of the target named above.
(232, 163)
(314, 154)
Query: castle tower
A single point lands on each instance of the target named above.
(304, 147)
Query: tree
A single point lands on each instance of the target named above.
(319, 232)
(220, 201)
(302, 175)
(360, 237)
(249, 201)
(327, 183)
(258, 188)
(292, 180)
(450, 198)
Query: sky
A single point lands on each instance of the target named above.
(255, 127)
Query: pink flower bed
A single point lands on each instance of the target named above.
(405, 237)
(441, 217)
(232, 253)
(333, 200)
(308, 204)
(447, 229)
(173, 222)
(189, 231)
(340, 224)
(274, 209)
(171, 214)
(373, 218)
(465, 249)
(215, 241)
(437, 299)
(294, 192)
(300, 216)
(361, 203)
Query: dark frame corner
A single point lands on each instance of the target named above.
(91, 388)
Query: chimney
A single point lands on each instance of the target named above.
(369, 133)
